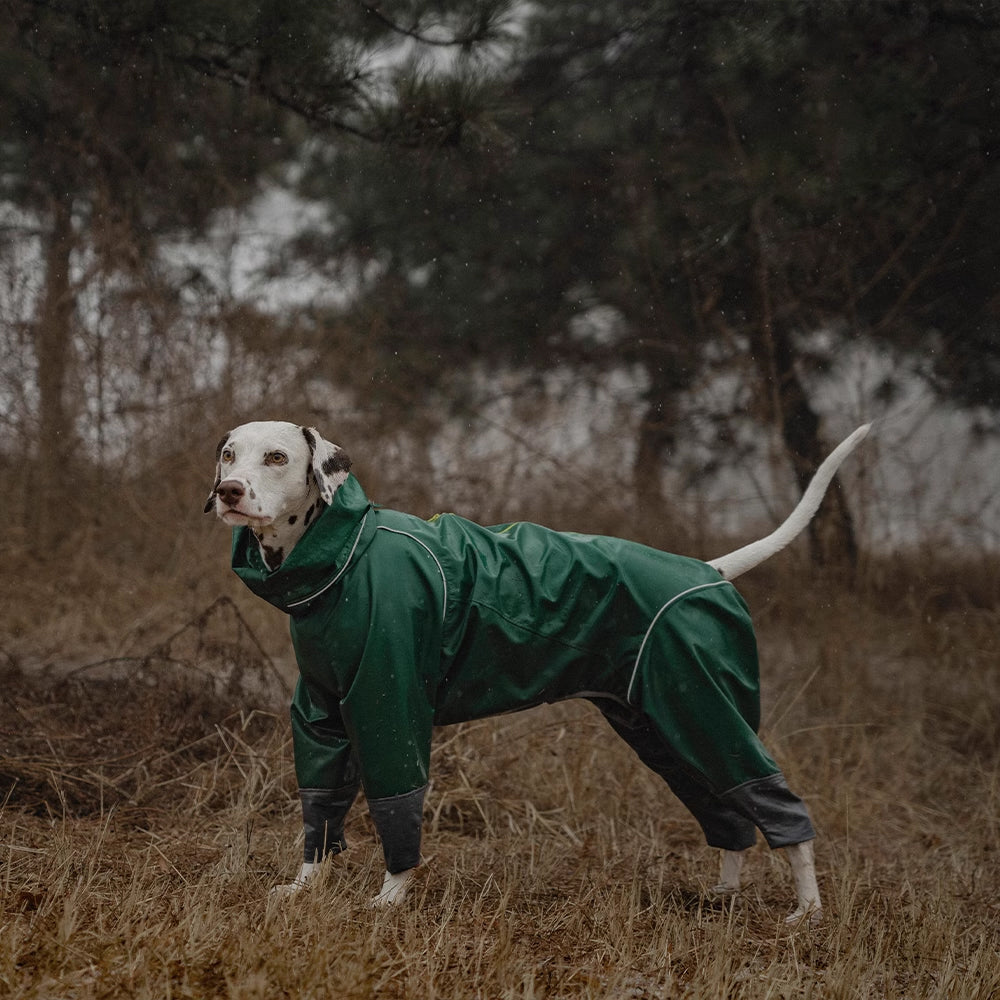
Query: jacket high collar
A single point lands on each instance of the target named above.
(321, 556)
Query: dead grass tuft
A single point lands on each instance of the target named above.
(148, 803)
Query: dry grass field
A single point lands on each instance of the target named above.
(148, 803)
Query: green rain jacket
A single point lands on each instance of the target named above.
(401, 624)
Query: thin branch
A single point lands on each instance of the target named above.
(928, 269)
(894, 257)
(478, 34)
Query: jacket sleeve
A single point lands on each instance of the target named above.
(326, 770)
(389, 711)
(381, 656)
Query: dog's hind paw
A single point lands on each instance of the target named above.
(806, 916)
(393, 889)
(724, 889)
(730, 870)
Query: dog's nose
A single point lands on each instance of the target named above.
(230, 492)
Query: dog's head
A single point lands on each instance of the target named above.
(270, 472)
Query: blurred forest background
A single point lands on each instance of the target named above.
(619, 266)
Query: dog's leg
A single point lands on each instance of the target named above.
(730, 867)
(306, 873)
(393, 889)
(803, 865)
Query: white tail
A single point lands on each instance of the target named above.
(736, 563)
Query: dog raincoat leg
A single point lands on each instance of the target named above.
(697, 682)
(328, 774)
(723, 826)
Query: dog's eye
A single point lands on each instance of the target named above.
(227, 455)
(276, 458)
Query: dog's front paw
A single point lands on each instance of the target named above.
(306, 873)
(393, 889)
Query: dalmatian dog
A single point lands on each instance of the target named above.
(400, 624)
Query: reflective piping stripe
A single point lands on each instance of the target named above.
(656, 618)
(444, 582)
(343, 569)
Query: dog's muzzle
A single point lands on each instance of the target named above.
(230, 492)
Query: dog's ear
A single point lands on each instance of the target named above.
(210, 502)
(330, 463)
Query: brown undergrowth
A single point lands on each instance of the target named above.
(148, 803)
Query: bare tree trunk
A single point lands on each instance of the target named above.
(831, 533)
(654, 441)
(53, 350)
(657, 516)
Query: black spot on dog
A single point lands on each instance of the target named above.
(221, 445)
(293, 518)
(272, 556)
(337, 462)
(311, 441)
(309, 514)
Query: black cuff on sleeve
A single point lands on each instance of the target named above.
(774, 809)
(323, 813)
(398, 820)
